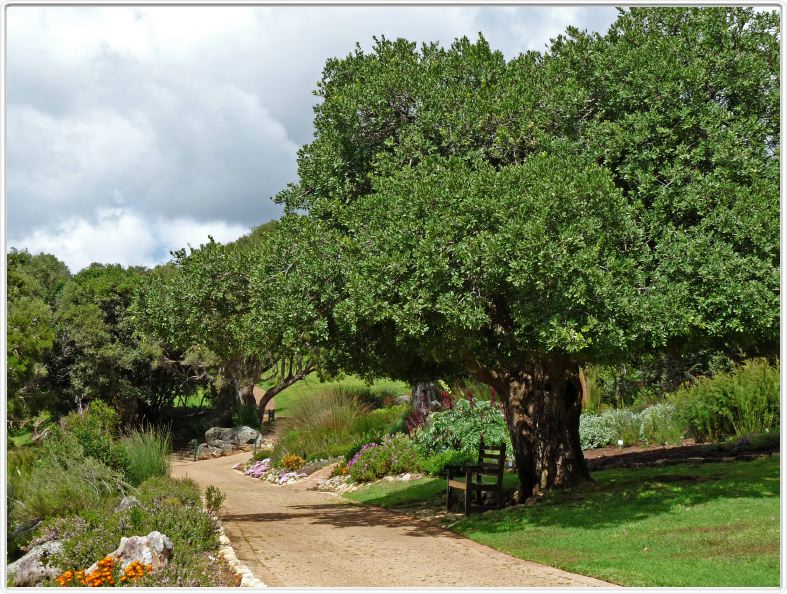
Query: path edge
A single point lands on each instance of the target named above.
(227, 552)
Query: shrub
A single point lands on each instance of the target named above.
(246, 415)
(214, 499)
(292, 462)
(596, 431)
(461, 428)
(95, 430)
(660, 425)
(53, 489)
(626, 425)
(147, 454)
(173, 507)
(436, 463)
(396, 454)
(262, 454)
(744, 400)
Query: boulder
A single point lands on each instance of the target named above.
(403, 399)
(155, 549)
(218, 434)
(127, 503)
(225, 446)
(243, 435)
(235, 435)
(34, 568)
(205, 451)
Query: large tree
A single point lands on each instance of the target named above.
(616, 194)
(33, 282)
(100, 353)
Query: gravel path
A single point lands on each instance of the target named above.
(290, 536)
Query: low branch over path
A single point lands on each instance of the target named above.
(291, 536)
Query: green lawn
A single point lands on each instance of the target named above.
(312, 384)
(713, 524)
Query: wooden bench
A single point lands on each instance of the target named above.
(475, 479)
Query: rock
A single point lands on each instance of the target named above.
(695, 460)
(660, 462)
(218, 434)
(403, 399)
(405, 476)
(154, 549)
(127, 503)
(34, 568)
(226, 447)
(243, 435)
(205, 451)
(234, 435)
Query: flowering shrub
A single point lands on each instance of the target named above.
(259, 468)
(396, 454)
(292, 462)
(104, 575)
(660, 425)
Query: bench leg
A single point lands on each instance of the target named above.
(468, 493)
(448, 498)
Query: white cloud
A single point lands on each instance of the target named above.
(121, 235)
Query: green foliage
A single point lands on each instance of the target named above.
(745, 400)
(102, 355)
(461, 428)
(660, 425)
(214, 499)
(95, 430)
(173, 507)
(147, 454)
(625, 425)
(53, 489)
(329, 422)
(395, 455)
(246, 415)
(596, 431)
(436, 463)
(262, 454)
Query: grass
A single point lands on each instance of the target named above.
(21, 439)
(310, 385)
(714, 524)
(147, 453)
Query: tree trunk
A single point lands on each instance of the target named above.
(246, 394)
(423, 395)
(543, 403)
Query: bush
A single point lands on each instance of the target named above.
(95, 430)
(292, 462)
(214, 499)
(596, 431)
(626, 425)
(246, 415)
(436, 463)
(395, 455)
(461, 428)
(147, 454)
(744, 400)
(262, 454)
(53, 489)
(173, 507)
(660, 425)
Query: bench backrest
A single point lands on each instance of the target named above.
(492, 460)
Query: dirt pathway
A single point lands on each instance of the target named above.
(290, 536)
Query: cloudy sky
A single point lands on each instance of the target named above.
(135, 131)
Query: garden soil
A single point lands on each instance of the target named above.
(290, 535)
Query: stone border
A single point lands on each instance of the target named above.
(611, 465)
(247, 577)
